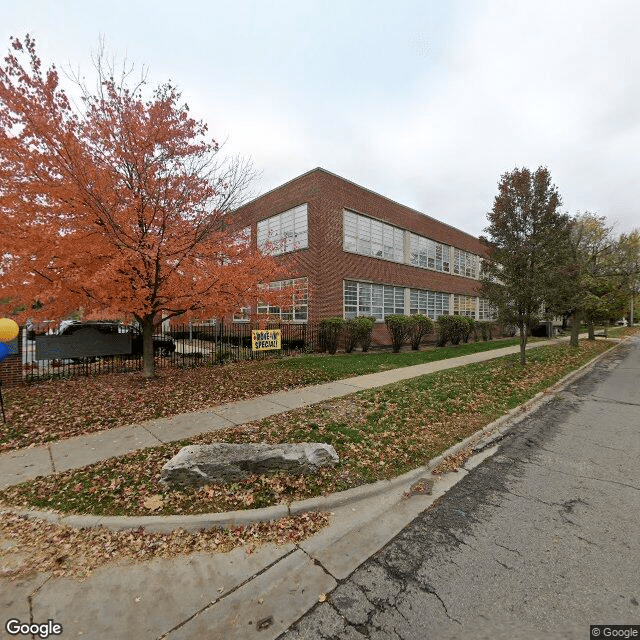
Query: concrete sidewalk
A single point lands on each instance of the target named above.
(77, 452)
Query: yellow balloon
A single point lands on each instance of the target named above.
(8, 329)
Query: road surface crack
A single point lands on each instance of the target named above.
(431, 589)
(507, 548)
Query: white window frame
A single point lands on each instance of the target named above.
(429, 303)
(285, 232)
(466, 264)
(372, 299)
(485, 310)
(373, 238)
(429, 254)
(298, 312)
(464, 305)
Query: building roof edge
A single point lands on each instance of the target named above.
(355, 184)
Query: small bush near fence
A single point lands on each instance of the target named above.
(329, 330)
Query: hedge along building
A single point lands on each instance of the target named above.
(357, 253)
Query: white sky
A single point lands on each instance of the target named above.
(425, 102)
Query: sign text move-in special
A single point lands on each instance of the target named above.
(265, 339)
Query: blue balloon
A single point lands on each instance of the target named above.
(5, 352)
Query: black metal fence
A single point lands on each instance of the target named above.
(187, 345)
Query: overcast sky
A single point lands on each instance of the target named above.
(427, 103)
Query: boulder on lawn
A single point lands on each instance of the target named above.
(223, 463)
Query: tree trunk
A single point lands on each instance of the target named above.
(592, 330)
(606, 329)
(148, 363)
(575, 329)
(523, 343)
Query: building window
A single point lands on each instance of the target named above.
(428, 253)
(285, 232)
(375, 300)
(244, 315)
(299, 308)
(429, 303)
(465, 263)
(487, 312)
(372, 238)
(464, 306)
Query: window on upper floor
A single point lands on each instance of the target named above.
(285, 232)
(465, 263)
(428, 253)
(370, 237)
(429, 303)
(374, 300)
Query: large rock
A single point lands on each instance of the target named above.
(222, 463)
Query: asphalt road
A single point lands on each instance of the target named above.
(539, 541)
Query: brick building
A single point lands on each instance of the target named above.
(359, 253)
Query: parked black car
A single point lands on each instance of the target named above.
(162, 345)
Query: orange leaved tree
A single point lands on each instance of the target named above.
(117, 203)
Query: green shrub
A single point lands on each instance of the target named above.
(420, 327)
(468, 329)
(443, 330)
(366, 335)
(351, 334)
(451, 329)
(358, 331)
(399, 328)
(329, 330)
(484, 329)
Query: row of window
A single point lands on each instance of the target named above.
(289, 231)
(377, 239)
(381, 300)
(375, 300)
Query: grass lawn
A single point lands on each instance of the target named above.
(56, 409)
(619, 332)
(379, 433)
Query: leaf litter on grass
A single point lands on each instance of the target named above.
(56, 409)
(378, 434)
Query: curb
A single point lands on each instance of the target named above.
(479, 441)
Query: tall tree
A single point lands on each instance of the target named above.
(117, 205)
(526, 238)
(600, 272)
(629, 250)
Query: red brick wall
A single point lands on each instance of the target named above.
(11, 367)
(327, 265)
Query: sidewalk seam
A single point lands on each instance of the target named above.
(153, 435)
(227, 593)
(53, 464)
